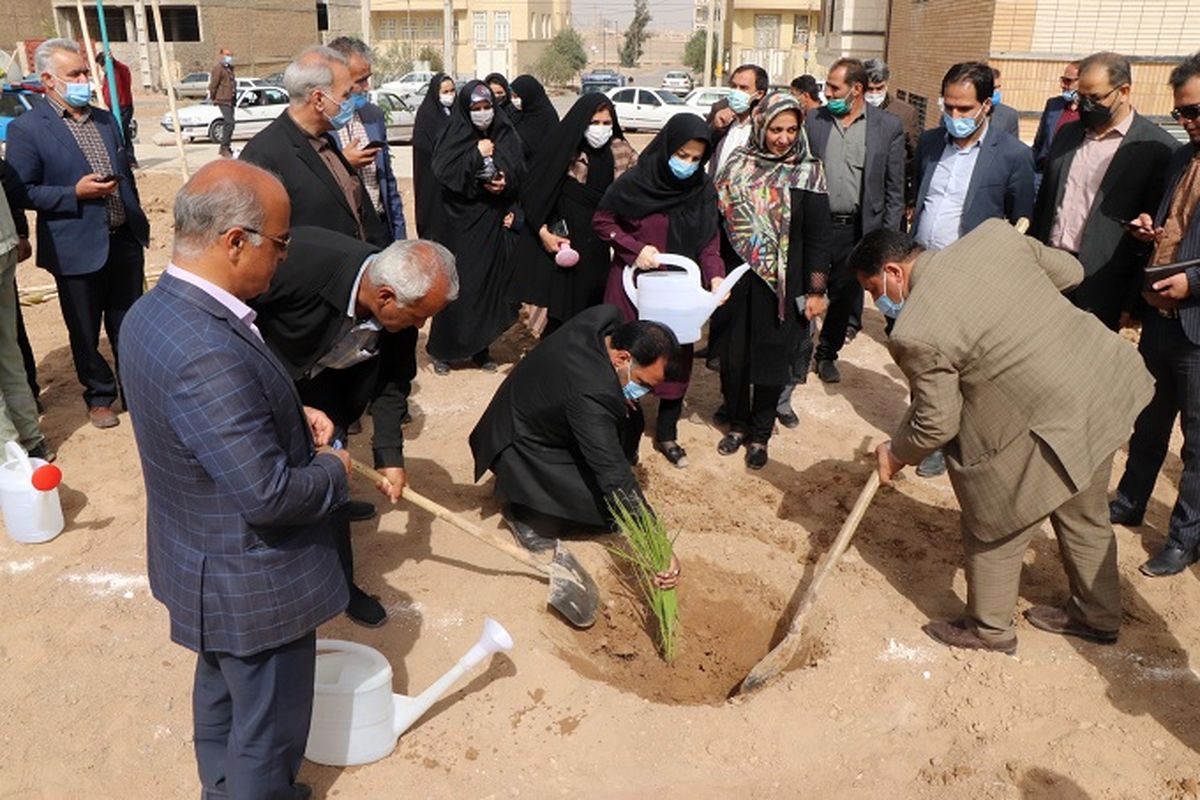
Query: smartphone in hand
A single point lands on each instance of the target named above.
(375, 145)
(111, 178)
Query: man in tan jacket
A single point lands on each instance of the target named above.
(1029, 396)
(222, 90)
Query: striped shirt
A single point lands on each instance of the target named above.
(355, 132)
(88, 137)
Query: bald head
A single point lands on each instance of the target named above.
(229, 216)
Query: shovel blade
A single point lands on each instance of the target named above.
(573, 593)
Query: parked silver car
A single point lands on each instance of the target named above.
(677, 81)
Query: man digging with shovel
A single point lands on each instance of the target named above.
(1030, 397)
(557, 434)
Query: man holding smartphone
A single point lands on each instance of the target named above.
(1170, 344)
(91, 231)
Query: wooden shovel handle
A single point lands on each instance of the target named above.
(445, 514)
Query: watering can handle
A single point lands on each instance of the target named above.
(668, 259)
(630, 288)
(14, 452)
(727, 285)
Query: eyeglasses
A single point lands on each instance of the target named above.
(1090, 102)
(281, 242)
(1186, 112)
(1067, 83)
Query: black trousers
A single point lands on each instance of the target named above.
(845, 294)
(27, 356)
(751, 407)
(1175, 364)
(127, 130)
(101, 296)
(227, 128)
(251, 719)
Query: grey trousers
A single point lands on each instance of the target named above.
(18, 409)
(1089, 554)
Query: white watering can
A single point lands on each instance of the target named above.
(677, 299)
(29, 496)
(355, 718)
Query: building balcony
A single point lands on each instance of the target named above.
(768, 6)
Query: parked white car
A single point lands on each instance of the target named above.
(255, 109)
(400, 115)
(408, 83)
(703, 97)
(677, 81)
(643, 108)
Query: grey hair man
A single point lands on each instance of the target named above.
(880, 95)
(343, 317)
(325, 188)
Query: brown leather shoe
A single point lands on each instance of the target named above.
(103, 417)
(959, 633)
(1056, 620)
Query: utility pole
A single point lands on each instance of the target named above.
(721, 45)
(708, 44)
(448, 37)
(366, 21)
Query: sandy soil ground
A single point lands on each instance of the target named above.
(97, 699)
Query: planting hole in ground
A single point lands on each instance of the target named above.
(727, 622)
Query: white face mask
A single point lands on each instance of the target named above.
(482, 119)
(516, 101)
(446, 98)
(598, 135)
(875, 98)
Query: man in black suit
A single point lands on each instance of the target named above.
(968, 170)
(562, 430)
(1170, 344)
(324, 189)
(1003, 117)
(862, 148)
(1060, 110)
(1102, 171)
(343, 318)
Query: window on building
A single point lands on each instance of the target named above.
(114, 21)
(322, 16)
(766, 31)
(431, 28)
(408, 31)
(800, 30)
(500, 27)
(921, 104)
(386, 29)
(479, 26)
(454, 31)
(180, 24)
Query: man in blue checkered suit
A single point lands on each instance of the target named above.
(237, 500)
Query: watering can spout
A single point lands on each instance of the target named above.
(493, 639)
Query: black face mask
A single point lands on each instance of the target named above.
(1094, 115)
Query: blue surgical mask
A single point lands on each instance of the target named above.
(959, 127)
(1069, 95)
(633, 390)
(739, 101)
(345, 112)
(360, 100)
(77, 95)
(886, 305)
(227, 60)
(682, 169)
(996, 95)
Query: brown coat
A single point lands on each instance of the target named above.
(222, 87)
(1028, 394)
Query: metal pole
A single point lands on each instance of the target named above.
(91, 53)
(164, 67)
(366, 21)
(448, 37)
(109, 72)
(708, 45)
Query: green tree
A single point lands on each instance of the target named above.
(636, 35)
(693, 54)
(434, 56)
(562, 59)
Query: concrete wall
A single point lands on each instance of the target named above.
(23, 19)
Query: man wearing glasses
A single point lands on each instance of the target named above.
(1170, 344)
(1060, 110)
(1102, 171)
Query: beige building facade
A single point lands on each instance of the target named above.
(1030, 41)
(778, 35)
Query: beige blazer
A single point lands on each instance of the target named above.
(1027, 394)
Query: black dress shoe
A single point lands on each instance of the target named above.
(730, 443)
(673, 452)
(365, 609)
(1171, 560)
(359, 510)
(441, 367)
(788, 419)
(828, 372)
(524, 533)
(1121, 513)
(756, 456)
(42, 451)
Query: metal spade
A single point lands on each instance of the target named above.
(573, 593)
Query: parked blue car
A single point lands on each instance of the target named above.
(14, 101)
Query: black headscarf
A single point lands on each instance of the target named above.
(548, 169)
(537, 116)
(431, 115)
(499, 78)
(650, 188)
(456, 147)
